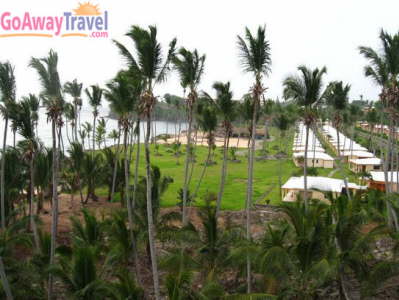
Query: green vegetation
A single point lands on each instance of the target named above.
(151, 235)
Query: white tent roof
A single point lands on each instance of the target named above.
(310, 149)
(379, 176)
(366, 161)
(314, 155)
(324, 184)
(363, 154)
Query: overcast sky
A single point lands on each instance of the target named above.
(311, 32)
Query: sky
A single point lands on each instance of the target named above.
(315, 33)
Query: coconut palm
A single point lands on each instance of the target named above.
(76, 155)
(227, 110)
(282, 122)
(307, 91)
(69, 113)
(255, 59)
(43, 174)
(51, 94)
(372, 120)
(95, 97)
(92, 173)
(25, 121)
(74, 89)
(101, 133)
(7, 90)
(149, 66)
(78, 271)
(123, 94)
(88, 129)
(190, 67)
(114, 135)
(337, 96)
(383, 69)
(207, 121)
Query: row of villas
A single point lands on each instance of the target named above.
(316, 156)
(317, 187)
(359, 158)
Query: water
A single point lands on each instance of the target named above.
(44, 127)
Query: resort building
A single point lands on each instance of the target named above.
(317, 187)
(316, 154)
(348, 155)
(315, 159)
(377, 180)
(365, 164)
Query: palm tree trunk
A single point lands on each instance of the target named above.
(31, 209)
(127, 194)
(115, 166)
(193, 163)
(187, 164)
(94, 133)
(54, 207)
(250, 188)
(4, 281)
(203, 171)
(3, 164)
(136, 165)
(76, 120)
(305, 168)
(151, 229)
(224, 172)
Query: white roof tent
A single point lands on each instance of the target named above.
(361, 154)
(310, 149)
(324, 184)
(367, 161)
(380, 177)
(314, 155)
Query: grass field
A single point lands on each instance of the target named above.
(266, 174)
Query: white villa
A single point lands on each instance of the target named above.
(317, 186)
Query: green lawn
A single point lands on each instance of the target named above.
(266, 174)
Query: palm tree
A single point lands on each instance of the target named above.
(25, 122)
(372, 120)
(76, 154)
(148, 66)
(123, 94)
(95, 101)
(53, 100)
(227, 110)
(78, 271)
(69, 112)
(282, 122)
(74, 89)
(336, 96)
(7, 90)
(101, 133)
(207, 120)
(92, 174)
(190, 67)
(88, 129)
(306, 91)
(255, 59)
(384, 70)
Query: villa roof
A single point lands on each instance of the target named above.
(366, 161)
(364, 154)
(324, 184)
(380, 177)
(314, 155)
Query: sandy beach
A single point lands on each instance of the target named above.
(202, 140)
